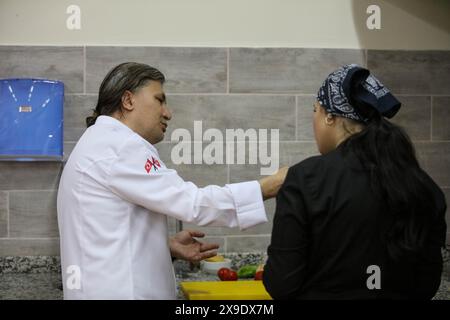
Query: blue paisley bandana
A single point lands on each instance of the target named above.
(353, 84)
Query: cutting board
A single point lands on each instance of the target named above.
(224, 290)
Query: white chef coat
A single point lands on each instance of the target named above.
(114, 197)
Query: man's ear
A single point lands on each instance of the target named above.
(127, 100)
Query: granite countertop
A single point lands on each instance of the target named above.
(39, 277)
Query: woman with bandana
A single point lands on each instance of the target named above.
(362, 220)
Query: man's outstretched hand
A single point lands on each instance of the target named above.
(183, 245)
(270, 185)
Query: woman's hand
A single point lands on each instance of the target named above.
(184, 246)
(271, 184)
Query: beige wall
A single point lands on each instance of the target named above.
(406, 24)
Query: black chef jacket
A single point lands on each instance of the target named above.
(326, 233)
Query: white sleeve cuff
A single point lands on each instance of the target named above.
(249, 203)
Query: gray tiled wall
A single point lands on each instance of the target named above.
(225, 88)
(188, 70)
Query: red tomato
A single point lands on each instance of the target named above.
(226, 274)
(232, 276)
(223, 273)
(259, 275)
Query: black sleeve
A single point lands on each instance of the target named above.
(285, 270)
(429, 268)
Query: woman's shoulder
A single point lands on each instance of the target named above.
(437, 192)
(320, 164)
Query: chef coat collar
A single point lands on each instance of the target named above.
(111, 121)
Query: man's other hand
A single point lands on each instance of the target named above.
(183, 245)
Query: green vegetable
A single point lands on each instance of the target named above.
(247, 271)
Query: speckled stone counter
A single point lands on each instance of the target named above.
(40, 277)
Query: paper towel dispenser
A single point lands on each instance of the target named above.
(31, 119)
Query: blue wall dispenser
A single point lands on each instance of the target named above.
(31, 120)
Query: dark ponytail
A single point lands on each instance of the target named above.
(91, 119)
(388, 155)
(126, 76)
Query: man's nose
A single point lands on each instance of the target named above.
(167, 114)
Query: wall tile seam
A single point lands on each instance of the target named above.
(84, 70)
(30, 190)
(260, 94)
(296, 117)
(228, 71)
(431, 117)
(30, 238)
(7, 215)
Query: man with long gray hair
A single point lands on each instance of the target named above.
(115, 195)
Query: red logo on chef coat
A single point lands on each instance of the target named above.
(153, 163)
